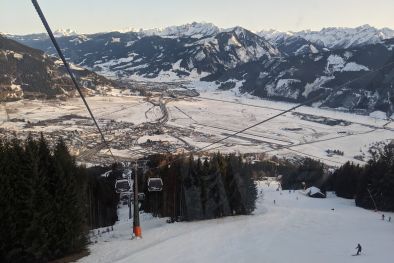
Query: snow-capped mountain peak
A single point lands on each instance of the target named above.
(64, 32)
(344, 37)
(273, 34)
(194, 30)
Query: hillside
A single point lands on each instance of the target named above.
(30, 73)
(272, 234)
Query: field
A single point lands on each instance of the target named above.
(136, 126)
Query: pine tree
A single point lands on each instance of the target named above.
(36, 233)
(69, 215)
(346, 180)
(219, 192)
(21, 192)
(192, 193)
(377, 181)
(7, 227)
(249, 202)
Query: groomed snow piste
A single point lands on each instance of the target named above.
(296, 229)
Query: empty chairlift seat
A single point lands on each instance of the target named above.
(155, 184)
(122, 186)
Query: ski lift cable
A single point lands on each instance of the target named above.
(66, 65)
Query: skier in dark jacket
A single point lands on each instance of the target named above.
(358, 249)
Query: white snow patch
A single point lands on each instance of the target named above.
(283, 88)
(75, 67)
(315, 85)
(129, 43)
(177, 65)
(76, 40)
(352, 66)
(334, 63)
(115, 40)
(378, 115)
(232, 41)
(200, 55)
(313, 49)
(18, 56)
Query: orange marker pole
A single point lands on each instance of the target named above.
(136, 222)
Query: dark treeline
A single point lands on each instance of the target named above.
(306, 173)
(370, 185)
(196, 189)
(102, 200)
(48, 202)
(294, 174)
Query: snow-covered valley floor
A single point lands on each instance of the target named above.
(295, 229)
(192, 123)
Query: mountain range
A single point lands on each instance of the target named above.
(290, 66)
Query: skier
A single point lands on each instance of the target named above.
(389, 218)
(274, 202)
(382, 216)
(358, 249)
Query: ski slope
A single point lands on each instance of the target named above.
(296, 229)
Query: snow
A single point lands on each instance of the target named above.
(15, 87)
(18, 56)
(341, 37)
(334, 63)
(115, 40)
(378, 115)
(337, 63)
(232, 41)
(129, 43)
(200, 55)
(76, 41)
(274, 35)
(64, 32)
(17, 91)
(352, 66)
(194, 30)
(73, 66)
(312, 190)
(177, 65)
(294, 229)
(314, 50)
(216, 113)
(334, 37)
(315, 85)
(282, 88)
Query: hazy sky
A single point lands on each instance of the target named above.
(88, 16)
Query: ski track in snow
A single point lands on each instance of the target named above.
(303, 230)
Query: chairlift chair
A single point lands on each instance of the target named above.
(125, 196)
(122, 186)
(155, 184)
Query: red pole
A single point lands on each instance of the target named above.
(136, 222)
